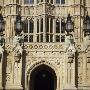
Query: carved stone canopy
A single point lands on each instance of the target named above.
(17, 54)
(71, 51)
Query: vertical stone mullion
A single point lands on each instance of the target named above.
(54, 29)
(60, 29)
(39, 29)
(49, 28)
(44, 29)
(35, 29)
(28, 29)
(1, 87)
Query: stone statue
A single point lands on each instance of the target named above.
(70, 47)
(86, 42)
(17, 48)
(17, 53)
(1, 47)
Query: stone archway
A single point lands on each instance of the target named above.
(43, 77)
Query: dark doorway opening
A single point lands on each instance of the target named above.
(43, 78)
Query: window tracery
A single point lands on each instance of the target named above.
(28, 30)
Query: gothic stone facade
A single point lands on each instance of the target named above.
(43, 46)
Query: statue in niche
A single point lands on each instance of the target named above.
(17, 51)
(86, 42)
(17, 48)
(1, 47)
(70, 47)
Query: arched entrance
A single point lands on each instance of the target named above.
(43, 78)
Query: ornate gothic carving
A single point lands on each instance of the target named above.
(17, 48)
(1, 47)
(70, 48)
(86, 43)
(60, 56)
(80, 69)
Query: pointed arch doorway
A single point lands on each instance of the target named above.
(43, 78)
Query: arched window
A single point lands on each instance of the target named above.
(42, 25)
(62, 26)
(25, 26)
(28, 30)
(51, 25)
(40, 30)
(37, 26)
(29, 1)
(49, 29)
(31, 26)
(57, 26)
(60, 30)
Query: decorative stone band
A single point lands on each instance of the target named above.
(44, 46)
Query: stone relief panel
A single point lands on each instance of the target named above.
(49, 9)
(9, 69)
(80, 70)
(53, 53)
(42, 47)
(45, 56)
(39, 9)
(88, 65)
(88, 74)
(28, 10)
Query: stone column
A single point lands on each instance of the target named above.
(54, 29)
(44, 28)
(1, 61)
(35, 29)
(39, 29)
(70, 63)
(49, 28)
(17, 73)
(70, 71)
(35, 22)
(86, 63)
